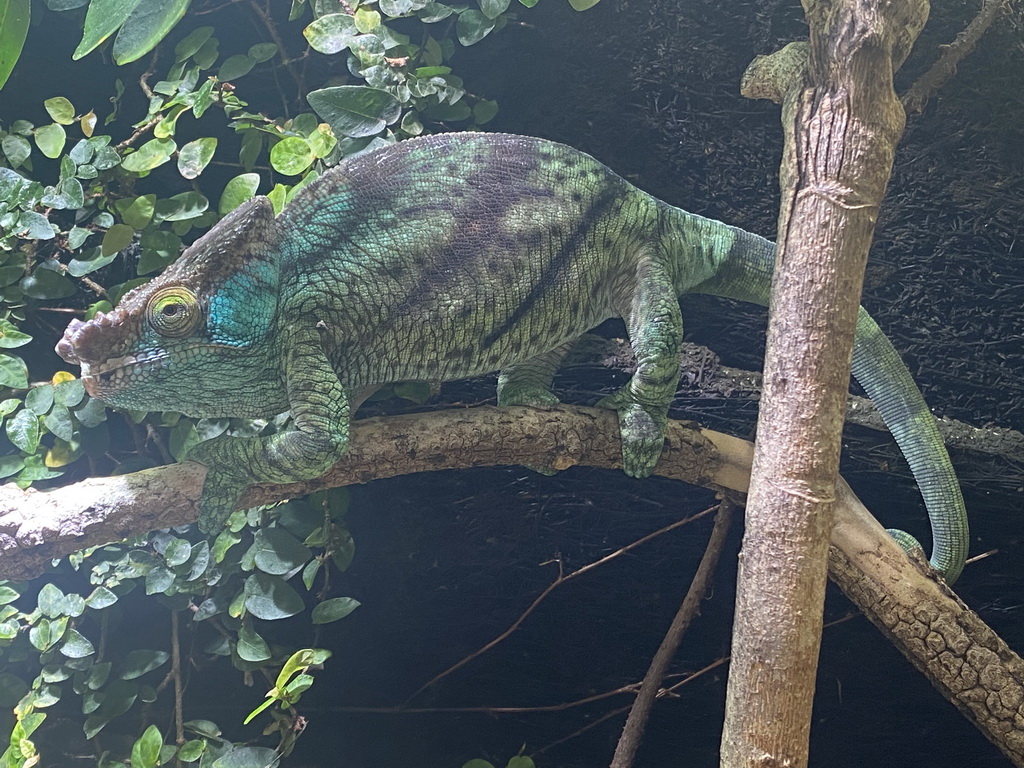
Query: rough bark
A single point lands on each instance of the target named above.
(958, 652)
(842, 124)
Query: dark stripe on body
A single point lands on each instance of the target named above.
(559, 263)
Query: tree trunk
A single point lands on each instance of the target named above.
(842, 124)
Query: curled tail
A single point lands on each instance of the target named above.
(745, 273)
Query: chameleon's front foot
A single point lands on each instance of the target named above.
(218, 501)
(642, 432)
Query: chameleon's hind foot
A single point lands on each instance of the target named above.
(525, 394)
(514, 393)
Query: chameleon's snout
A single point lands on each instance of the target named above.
(94, 341)
(66, 346)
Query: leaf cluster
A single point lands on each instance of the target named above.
(54, 642)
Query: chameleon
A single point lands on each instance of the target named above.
(438, 258)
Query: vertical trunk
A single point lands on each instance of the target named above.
(842, 122)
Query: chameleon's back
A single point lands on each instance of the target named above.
(455, 254)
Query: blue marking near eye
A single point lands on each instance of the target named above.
(242, 310)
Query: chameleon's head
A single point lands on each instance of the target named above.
(182, 341)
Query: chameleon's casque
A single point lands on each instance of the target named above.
(442, 258)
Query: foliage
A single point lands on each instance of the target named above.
(519, 761)
(93, 205)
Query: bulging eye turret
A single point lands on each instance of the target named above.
(173, 312)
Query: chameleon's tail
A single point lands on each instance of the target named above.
(746, 273)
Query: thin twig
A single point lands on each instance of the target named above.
(633, 730)
(179, 709)
(559, 581)
(915, 99)
(622, 710)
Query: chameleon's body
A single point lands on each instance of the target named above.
(443, 258)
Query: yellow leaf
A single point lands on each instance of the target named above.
(61, 376)
(61, 454)
(88, 123)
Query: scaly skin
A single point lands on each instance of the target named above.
(443, 258)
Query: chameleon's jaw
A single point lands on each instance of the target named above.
(106, 378)
(103, 381)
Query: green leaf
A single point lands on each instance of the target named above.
(59, 422)
(477, 763)
(13, 372)
(146, 751)
(51, 601)
(251, 647)
(492, 9)
(60, 110)
(101, 597)
(237, 191)
(520, 761)
(150, 155)
(116, 239)
(261, 52)
(181, 207)
(367, 19)
(23, 431)
(159, 580)
(291, 156)
(47, 284)
(191, 751)
(270, 597)
(50, 139)
(582, 5)
(101, 21)
(334, 609)
(40, 635)
(248, 757)
(484, 111)
(355, 110)
(16, 148)
(147, 25)
(178, 552)
(473, 26)
(14, 18)
(136, 213)
(277, 552)
(331, 33)
(401, 7)
(76, 645)
(235, 67)
(69, 393)
(434, 12)
(11, 337)
(39, 399)
(139, 662)
(33, 226)
(252, 145)
(195, 156)
(208, 54)
(191, 43)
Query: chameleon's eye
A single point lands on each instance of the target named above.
(173, 311)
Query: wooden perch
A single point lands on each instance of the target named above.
(962, 656)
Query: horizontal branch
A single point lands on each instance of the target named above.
(961, 655)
